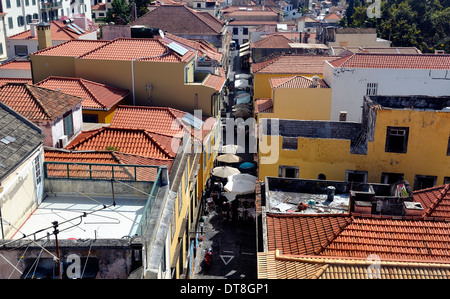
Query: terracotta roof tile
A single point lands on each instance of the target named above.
(295, 82)
(130, 141)
(292, 64)
(263, 106)
(394, 61)
(215, 81)
(274, 41)
(350, 236)
(59, 31)
(16, 65)
(37, 103)
(160, 120)
(95, 95)
(4, 81)
(136, 48)
(435, 201)
(274, 265)
(102, 171)
(166, 17)
(72, 48)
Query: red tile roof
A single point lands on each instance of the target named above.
(136, 48)
(72, 48)
(4, 81)
(292, 64)
(263, 106)
(130, 141)
(394, 61)
(274, 265)
(16, 65)
(435, 201)
(59, 31)
(350, 236)
(215, 81)
(167, 18)
(274, 41)
(160, 120)
(37, 103)
(95, 95)
(295, 82)
(102, 157)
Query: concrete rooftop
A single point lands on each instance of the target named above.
(112, 222)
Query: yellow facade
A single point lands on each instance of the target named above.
(300, 103)
(168, 84)
(261, 83)
(104, 117)
(426, 153)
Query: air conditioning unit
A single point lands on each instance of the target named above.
(63, 141)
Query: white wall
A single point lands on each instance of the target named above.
(58, 126)
(349, 85)
(20, 196)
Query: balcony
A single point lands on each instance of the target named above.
(51, 5)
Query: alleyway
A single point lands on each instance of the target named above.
(233, 242)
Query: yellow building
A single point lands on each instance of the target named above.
(296, 97)
(285, 66)
(396, 140)
(157, 73)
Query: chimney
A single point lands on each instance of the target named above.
(33, 28)
(315, 80)
(363, 207)
(412, 208)
(44, 35)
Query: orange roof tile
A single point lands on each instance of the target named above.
(102, 157)
(160, 120)
(16, 65)
(295, 82)
(351, 236)
(95, 95)
(274, 41)
(215, 81)
(37, 103)
(435, 201)
(4, 81)
(394, 61)
(263, 106)
(59, 31)
(274, 265)
(130, 141)
(292, 64)
(72, 48)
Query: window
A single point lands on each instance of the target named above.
(37, 170)
(21, 50)
(90, 118)
(20, 21)
(68, 124)
(290, 143)
(10, 23)
(1, 48)
(446, 180)
(18, 3)
(27, 2)
(424, 181)
(29, 19)
(288, 172)
(245, 31)
(356, 176)
(8, 3)
(235, 30)
(448, 147)
(391, 178)
(397, 139)
(372, 89)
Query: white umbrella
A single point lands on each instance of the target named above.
(242, 177)
(240, 187)
(224, 171)
(231, 149)
(229, 158)
(230, 196)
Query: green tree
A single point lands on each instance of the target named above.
(120, 12)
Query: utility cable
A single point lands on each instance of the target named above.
(20, 259)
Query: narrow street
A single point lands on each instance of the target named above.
(233, 242)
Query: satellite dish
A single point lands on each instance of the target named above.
(161, 33)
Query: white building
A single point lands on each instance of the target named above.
(352, 77)
(21, 13)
